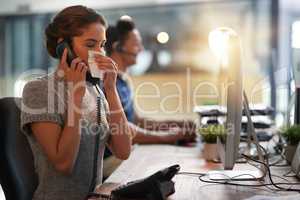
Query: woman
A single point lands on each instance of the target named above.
(59, 111)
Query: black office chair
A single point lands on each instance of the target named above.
(17, 175)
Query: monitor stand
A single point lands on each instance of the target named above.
(243, 175)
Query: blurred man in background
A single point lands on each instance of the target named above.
(123, 45)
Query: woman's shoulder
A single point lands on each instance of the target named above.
(37, 84)
(39, 89)
(40, 103)
(41, 81)
(35, 87)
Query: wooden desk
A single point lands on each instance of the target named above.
(147, 159)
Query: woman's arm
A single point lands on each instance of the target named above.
(121, 133)
(61, 145)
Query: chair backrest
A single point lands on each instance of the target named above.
(17, 175)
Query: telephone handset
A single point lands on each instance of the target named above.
(71, 56)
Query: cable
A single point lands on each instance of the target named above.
(230, 181)
(289, 172)
(98, 89)
(275, 163)
(92, 194)
(96, 149)
(191, 173)
(200, 175)
(276, 185)
(281, 178)
(282, 157)
(201, 178)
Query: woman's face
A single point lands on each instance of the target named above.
(93, 38)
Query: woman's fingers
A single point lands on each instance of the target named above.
(77, 71)
(83, 72)
(81, 69)
(110, 63)
(106, 68)
(84, 67)
(105, 65)
(103, 59)
(80, 66)
(75, 62)
(98, 56)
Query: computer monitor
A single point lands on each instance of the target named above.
(228, 147)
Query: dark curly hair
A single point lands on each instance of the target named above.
(69, 23)
(118, 33)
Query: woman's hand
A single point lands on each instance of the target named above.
(109, 67)
(75, 75)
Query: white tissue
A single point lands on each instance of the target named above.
(95, 72)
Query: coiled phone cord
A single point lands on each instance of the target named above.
(92, 194)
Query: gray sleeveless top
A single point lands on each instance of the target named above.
(45, 100)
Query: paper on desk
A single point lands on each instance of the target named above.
(264, 197)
